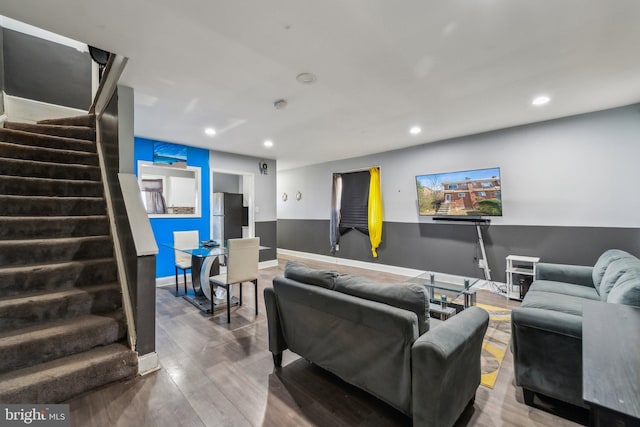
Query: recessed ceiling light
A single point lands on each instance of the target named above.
(540, 100)
(306, 78)
(210, 131)
(268, 143)
(415, 130)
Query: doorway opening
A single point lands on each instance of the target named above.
(228, 181)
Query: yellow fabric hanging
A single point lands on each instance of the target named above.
(375, 211)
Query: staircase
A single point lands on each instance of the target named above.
(62, 327)
(444, 209)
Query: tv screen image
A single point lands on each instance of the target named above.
(464, 193)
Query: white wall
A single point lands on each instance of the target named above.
(265, 185)
(181, 192)
(577, 171)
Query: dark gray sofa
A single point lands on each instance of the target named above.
(379, 337)
(546, 329)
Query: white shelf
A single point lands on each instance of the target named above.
(520, 258)
(513, 289)
(514, 293)
(521, 270)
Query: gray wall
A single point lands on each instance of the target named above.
(265, 193)
(140, 270)
(566, 185)
(45, 71)
(452, 248)
(225, 183)
(267, 232)
(265, 185)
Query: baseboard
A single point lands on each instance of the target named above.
(268, 264)
(385, 268)
(148, 363)
(30, 111)
(401, 271)
(171, 280)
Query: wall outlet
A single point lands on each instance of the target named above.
(337, 248)
(481, 263)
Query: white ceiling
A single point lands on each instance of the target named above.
(454, 67)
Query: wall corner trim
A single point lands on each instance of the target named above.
(148, 363)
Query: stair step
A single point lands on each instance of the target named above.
(23, 311)
(64, 378)
(28, 186)
(16, 281)
(30, 168)
(30, 346)
(77, 132)
(88, 120)
(31, 227)
(19, 137)
(61, 320)
(41, 154)
(43, 251)
(51, 206)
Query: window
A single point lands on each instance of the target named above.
(452, 187)
(461, 195)
(354, 201)
(350, 206)
(170, 191)
(482, 194)
(487, 184)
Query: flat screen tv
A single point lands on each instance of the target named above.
(456, 194)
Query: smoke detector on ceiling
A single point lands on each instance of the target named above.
(280, 104)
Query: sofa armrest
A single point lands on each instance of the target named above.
(555, 322)
(575, 274)
(277, 343)
(547, 352)
(446, 368)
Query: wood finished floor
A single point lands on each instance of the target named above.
(215, 374)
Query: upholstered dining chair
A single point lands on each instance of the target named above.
(184, 240)
(242, 266)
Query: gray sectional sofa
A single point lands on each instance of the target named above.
(547, 327)
(379, 337)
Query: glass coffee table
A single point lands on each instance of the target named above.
(444, 290)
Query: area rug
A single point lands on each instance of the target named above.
(495, 343)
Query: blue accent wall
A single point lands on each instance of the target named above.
(163, 228)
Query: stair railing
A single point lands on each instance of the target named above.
(134, 242)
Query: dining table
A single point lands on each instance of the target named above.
(206, 261)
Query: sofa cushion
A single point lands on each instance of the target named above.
(569, 304)
(626, 288)
(303, 274)
(565, 289)
(407, 296)
(603, 262)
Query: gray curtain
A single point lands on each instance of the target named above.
(152, 195)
